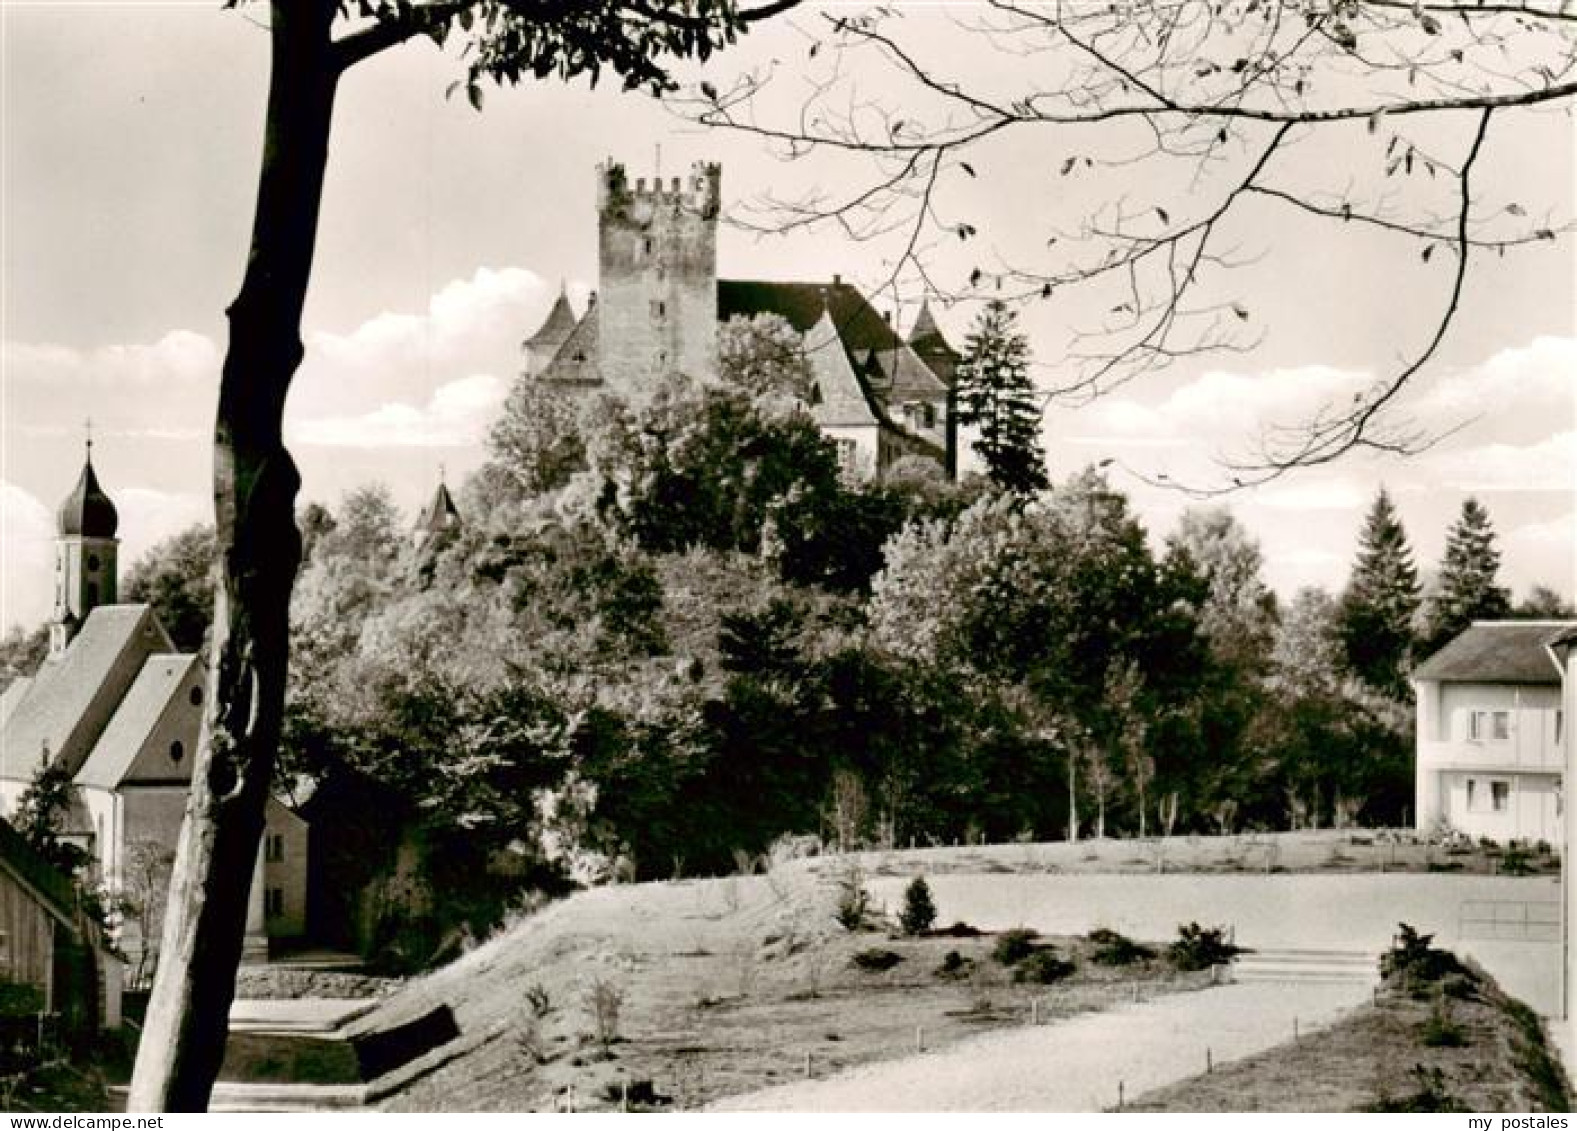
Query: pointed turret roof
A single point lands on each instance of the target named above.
(440, 513)
(925, 335)
(841, 398)
(555, 327)
(87, 511)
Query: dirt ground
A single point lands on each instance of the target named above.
(723, 987)
(1379, 1059)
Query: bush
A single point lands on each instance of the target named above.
(1440, 1030)
(1432, 1094)
(1042, 967)
(876, 960)
(955, 965)
(1113, 949)
(1199, 948)
(1412, 965)
(1013, 946)
(1515, 862)
(919, 912)
(853, 900)
(959, 930)
(604, 1002)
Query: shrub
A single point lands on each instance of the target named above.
(1042, 967)
(876, 960)
(1199, 948)
(1113, 949)
(1515, 862)
(959, 930)
(1414, 966)
(1014, 946)
(604, 1001)
(919, 912)
(1440, 1030)
(955, 965)
(539, 1001)
(1431, 1094)
(853, 900)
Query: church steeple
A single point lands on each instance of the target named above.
(439, 516)
(85, 552)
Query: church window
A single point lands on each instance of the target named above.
(196, 696)
(274, 850)
(177, 751)
(274, 901)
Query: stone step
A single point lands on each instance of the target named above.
(1293, 965)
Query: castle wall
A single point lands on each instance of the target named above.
(657, 302)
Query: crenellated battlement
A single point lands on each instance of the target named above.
(699, 191)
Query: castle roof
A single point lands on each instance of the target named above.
(901, 375)
(150, 698)
(440, 513)
(840, 398)
(926, 337)
(577, 361)
(1497, 652)
(73, 695)
(556, 327)
(87, 511)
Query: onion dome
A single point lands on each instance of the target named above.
(87, 511)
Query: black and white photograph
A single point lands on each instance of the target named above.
(748, 556)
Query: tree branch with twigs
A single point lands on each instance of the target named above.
(1216, 111)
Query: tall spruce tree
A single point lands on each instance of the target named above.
(1466, 590)
(1375, 622)
(996, 394)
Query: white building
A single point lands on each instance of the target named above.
(1491, 736)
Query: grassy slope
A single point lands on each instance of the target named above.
(1377, 1057)
(727, 985)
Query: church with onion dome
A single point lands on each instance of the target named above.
(120, 710)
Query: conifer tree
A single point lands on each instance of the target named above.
(995, 392)
(1375, 622)
(1466, 590)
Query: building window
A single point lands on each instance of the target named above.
(647, 245)
(1559, 719)
(659, 308)
(928, 416)
(177, 751)
(1492, 796)
(196, 696)
(93, 563)
(846, 453)
(274, 902)
(274, 848)
(1489, 726)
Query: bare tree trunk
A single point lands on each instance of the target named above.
(259, 549)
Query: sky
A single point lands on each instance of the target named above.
(125, 195)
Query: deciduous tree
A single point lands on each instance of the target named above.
(314, 45)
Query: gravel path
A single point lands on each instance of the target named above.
(1077, 1064)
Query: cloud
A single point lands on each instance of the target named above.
(1549, 464)
(1537, 378)
(470, 325)
(27, 528)
(456, 415)
(180, 356)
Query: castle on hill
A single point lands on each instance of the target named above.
(878, 395)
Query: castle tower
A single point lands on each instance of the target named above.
(85, 549)
(657, 301)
